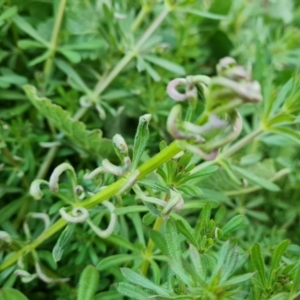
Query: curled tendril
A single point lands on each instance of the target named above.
(247, 91)
(120, 143)
(176, 202)
(35, 188)
(130, 181)
(101, 112)
(25, 276)
(75, 218)
(190, 89)
(113, 169)
(45, 278)
(205, 156)
(42, 216)
(173, 129)
(4, 236)
(94, 173)
(213, 123)
(79, 192)
(53, 182)
(112, 224)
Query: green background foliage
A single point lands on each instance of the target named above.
(73, 73)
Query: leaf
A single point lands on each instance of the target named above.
(72, 56)
(258, 262)
(258, 180)
(287, 132)
(239, 279)
(7, 293)
(132, 291)
(154, 75)
(172, 240)
(63, 242)
(39, 59)
(159, 241)
(276, 258)
(114, 260)
(91, 141)
(201, 13)
(70, 72)
(155, 185)
(87, 45)
(296, 282)
(185, 229)
(8, 13)
(122, 242)
(143, 282)
(129, 209)
(140, 140)
(170, 66)
(88, 283)
(26, 27)
(233, 224)
(29, 44)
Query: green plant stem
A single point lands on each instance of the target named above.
(143, 12)
(148, 167)
(150, 247)
(102, 85)
(110, 191)
(277, 176)
(54, 37)
(241, 143)
(47, 162)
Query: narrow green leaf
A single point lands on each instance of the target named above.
(258, 262)
(122, 242)
(88, 283)
(114, 260)
(140, 140)
(63, 242)
(29, 44)
(239, 279)
(154, 75)
(287, 132)
(7, 293)
(170, 66)
(39, 59)
(159, 241)
(233, 224)
(132, 291)
(203, 14)
(26, 27)
(205, 213)
(70, 72)
(87, 45)
(72, 56)
(227, 167)
(8, 13)
(143, 282)
(185, 229)
(129, 209)
(155, 185)
(172, 240)
(257, 180)
(296, 282)
(276, 258)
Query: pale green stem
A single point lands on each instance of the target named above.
(54, 37)
(252, 189)
(143, 12)
(102, 85)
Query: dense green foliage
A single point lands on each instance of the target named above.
(199, 197)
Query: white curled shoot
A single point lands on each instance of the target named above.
(112, 224)
(54, 178)
(79, 215)
(35, 188)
